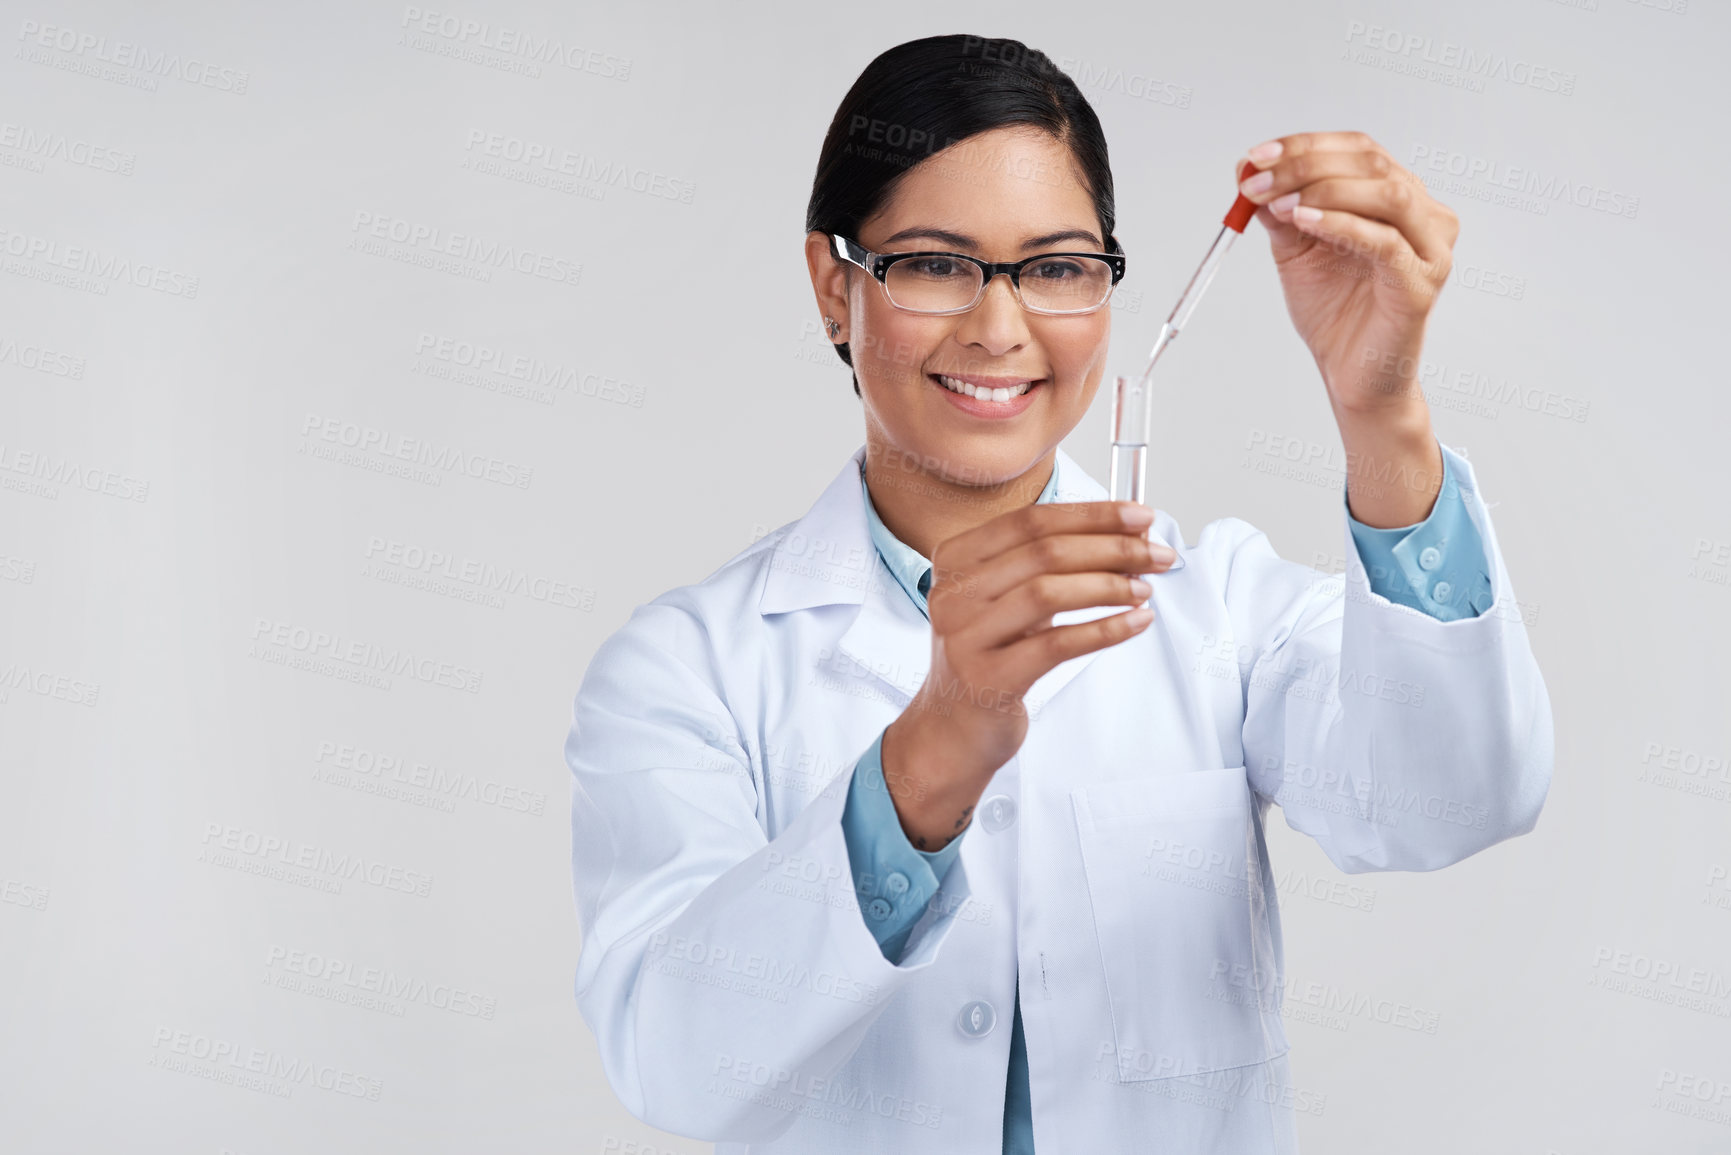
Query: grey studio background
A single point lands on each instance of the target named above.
(308, 529)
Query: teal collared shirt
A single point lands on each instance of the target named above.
(1437, 566)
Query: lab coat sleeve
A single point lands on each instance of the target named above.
(893, 877)
(722, 971)
(1397, 740)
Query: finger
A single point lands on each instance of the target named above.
(1031, 606)
(1295, 173)
(1281, 178)
(1025, 661)
(1127, 552)
(967, 550)
(1391, 202)
(1284, 236)
(1353, 236)
(1280, 148)
(1278, 167)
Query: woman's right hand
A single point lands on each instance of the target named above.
(994, 591)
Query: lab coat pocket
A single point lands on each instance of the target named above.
(1180, 907)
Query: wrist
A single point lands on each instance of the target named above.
(933, 787)
(1384, 380)
(1388, 432)
(1394, 469)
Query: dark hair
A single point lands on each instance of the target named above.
(921, 97)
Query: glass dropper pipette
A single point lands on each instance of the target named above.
(1132, 410)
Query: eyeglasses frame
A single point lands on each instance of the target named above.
(878, 265)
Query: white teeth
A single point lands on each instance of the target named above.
(981, 394)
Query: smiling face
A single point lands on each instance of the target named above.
(1001, 195)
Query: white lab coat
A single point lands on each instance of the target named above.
(1117, 862)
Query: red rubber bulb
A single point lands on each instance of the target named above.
(1242, 209)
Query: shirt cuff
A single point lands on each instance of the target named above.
(892, 878)
(1437, 566)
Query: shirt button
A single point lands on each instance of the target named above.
(878, 909)
(1429, 557)
(977, 1020)
(1441, 591)
(997, 813)
(896, 885)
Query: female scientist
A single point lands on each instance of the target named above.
(911, 828)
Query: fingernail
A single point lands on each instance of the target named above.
(1266, 151)
(1260, 183)
(1140, 588)
(1280, 205)
(1305, 215)
(1162, 553)
(1136, 515)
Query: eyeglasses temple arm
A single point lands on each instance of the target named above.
(847, 250)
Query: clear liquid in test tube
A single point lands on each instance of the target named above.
(1132, 419)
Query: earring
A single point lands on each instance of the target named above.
(833, 326)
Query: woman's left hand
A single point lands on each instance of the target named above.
(1363, 250)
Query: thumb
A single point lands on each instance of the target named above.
(1285, 239)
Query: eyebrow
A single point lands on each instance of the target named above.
(963, 241)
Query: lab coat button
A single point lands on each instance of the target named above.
(896, 884)
(878, 909)
(1441, 591)
(997, 813)
(977, 1020)
(1429, 557)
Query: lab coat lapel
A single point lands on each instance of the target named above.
(827, 557)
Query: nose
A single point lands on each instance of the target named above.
(997, 324)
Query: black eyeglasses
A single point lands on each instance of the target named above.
(938, 284)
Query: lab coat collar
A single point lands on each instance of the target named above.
(827, 558)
